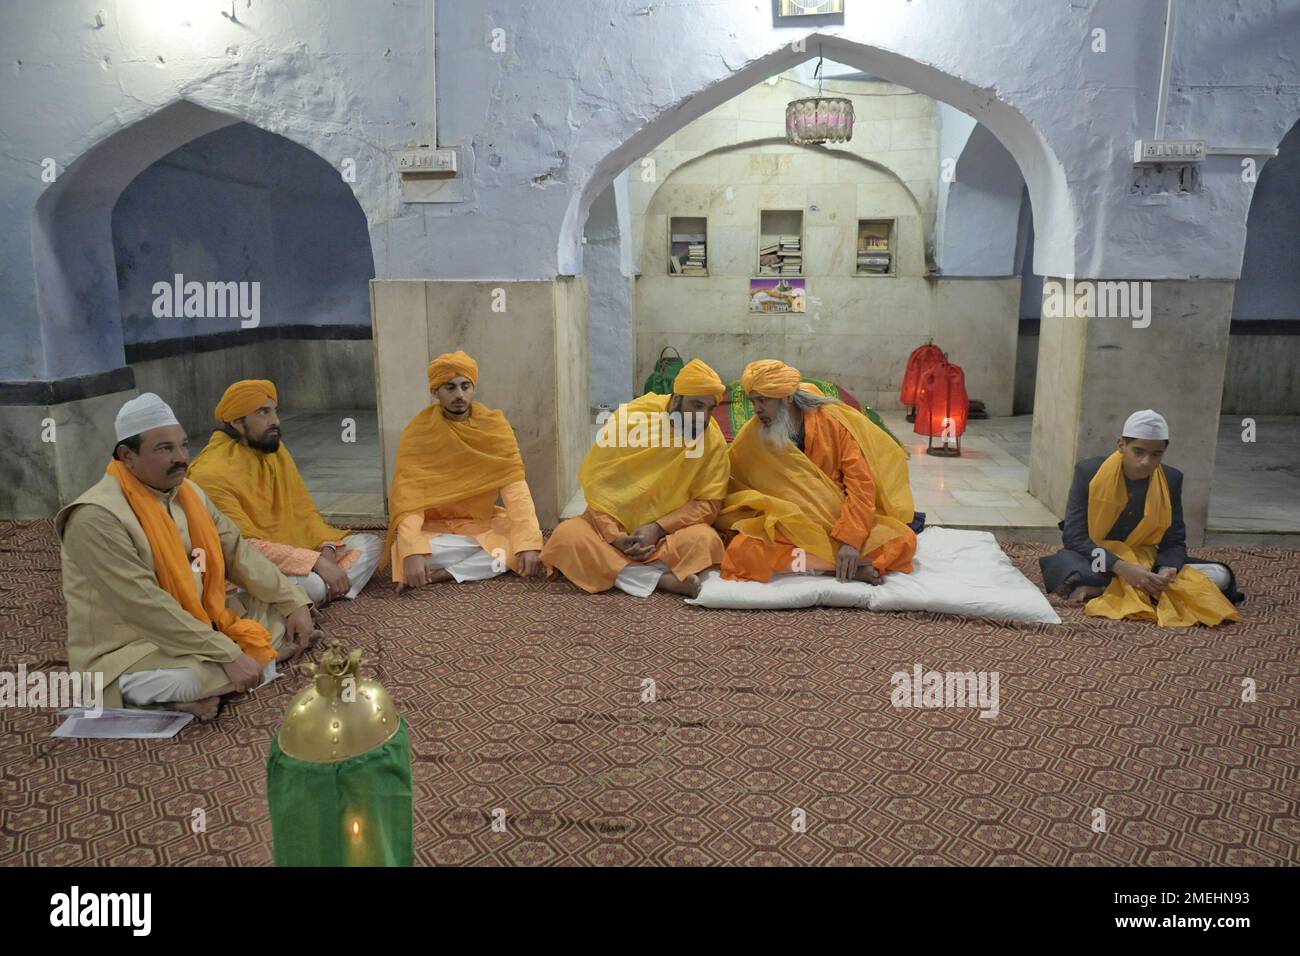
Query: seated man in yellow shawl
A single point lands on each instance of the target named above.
(146, 558)
(455, 460)
(249, 474)
(654, 482)
(1125, 548)
(816, 486)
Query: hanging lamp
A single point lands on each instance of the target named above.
(819, 119)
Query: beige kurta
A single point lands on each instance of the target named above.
(121, 621)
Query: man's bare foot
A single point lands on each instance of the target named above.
(436, 576)
(294, 648)
(669, 582)
(1083, 593)
(868, 574)
(204, 709)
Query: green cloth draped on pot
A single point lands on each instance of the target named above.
(355, 812)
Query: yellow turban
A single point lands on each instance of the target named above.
(770, 378)
(450, 364)
(697, 378)
(244, 398)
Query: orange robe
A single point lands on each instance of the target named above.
(507, 531)
(580, 547)
(830, 446)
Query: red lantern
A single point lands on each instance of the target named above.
(942, 408)
(918, 363)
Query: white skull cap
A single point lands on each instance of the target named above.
(142, 413)
(1146, 424)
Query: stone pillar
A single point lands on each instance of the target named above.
(1126, 345)
(530, 341)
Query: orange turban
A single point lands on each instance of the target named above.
(697, 378)
(244, 398)
(450, 364)
(770, 378)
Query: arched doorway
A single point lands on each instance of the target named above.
(1032, 170)
(275, 244)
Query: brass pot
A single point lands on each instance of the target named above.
(341, 715)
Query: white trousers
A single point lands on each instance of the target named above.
(639, 580)
(1216, 573)
(170, 685)
(371, 548)
(463, 558)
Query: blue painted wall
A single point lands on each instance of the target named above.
(1269, 287)
(242, 205)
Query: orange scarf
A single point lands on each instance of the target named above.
(440, 462)
(785, 491)
(172, 565)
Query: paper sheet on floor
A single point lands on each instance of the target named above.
(122, 724)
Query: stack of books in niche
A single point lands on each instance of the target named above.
(873, 254)
(781, 258)
(687, 257)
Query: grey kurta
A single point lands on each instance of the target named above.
(1076, 558)
(120, 620)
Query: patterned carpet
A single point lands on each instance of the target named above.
(526, 696)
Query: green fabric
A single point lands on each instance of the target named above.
(665, 373)
(741, 408)
(313, 806)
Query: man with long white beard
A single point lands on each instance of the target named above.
(815, 487)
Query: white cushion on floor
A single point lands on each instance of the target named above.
(955, 572)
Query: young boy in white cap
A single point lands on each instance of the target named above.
(1125, 551)
(146, 557)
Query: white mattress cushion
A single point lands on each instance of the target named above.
(954, 572)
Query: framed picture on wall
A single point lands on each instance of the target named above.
(777, 295)
(808, 8)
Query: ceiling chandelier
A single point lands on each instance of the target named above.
(819, 119)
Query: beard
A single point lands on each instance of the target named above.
(267, 443)
(783, 429)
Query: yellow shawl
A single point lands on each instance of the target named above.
(784, 490)
(172, 565)
(635, 477)
(261, 492)
(440, 461)
(1192, 598)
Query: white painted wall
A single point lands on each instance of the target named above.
(895, 129)
(345, 80)
(980, 191)
(577, 93)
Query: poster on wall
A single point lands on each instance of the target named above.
(777, 295)
(806, 8)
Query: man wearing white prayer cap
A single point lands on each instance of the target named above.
(1107, 511)
(146, 559)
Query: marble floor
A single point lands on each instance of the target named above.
(986, 487)
(1256, 484)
